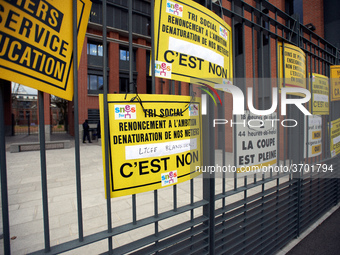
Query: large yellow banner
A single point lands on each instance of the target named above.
(335, 83)
(36, 43)
(320, 94)
(191, 42)
(292, 66)
(154, 142)
(335, 137)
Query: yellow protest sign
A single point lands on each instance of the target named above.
(36, 43)
(335, 137)
(191, 42)
(320, 94)
(335, 83)
(292, 67)
(153, 146)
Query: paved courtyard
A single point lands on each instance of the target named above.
(25, 204)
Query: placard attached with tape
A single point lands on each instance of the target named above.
(36, 43)
(191, 42)
(154, 142)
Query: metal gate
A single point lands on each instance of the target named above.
(256, 214)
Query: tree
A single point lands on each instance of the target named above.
(62, 105)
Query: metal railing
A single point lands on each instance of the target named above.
(255, 214)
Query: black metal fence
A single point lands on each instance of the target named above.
(255, 214)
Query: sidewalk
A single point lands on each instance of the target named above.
(25, 203)
(324, 240)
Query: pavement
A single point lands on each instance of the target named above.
(25, 204)
(323, 240)
(25, 199)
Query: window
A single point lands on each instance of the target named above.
(21, 115)
(295, 7)
(124, 59)
(124, 55)
(94, 83)
(124, 84)
(95, 49)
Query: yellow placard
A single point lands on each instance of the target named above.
(335, 83)
(292, 67)
(320, 94)
(316, 135)
(316, 149)
(154, 142)
(191, 42)
(335, 137)
(36, 43)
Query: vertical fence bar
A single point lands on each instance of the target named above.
(76, 121)
(172, 92)
(301, 152)
(278, 105)
(261, 41)
(235, 83)
(174, 189)
(330, 112)
(134, 199)
(191, 93)
(153, 88)
(134, 209)
(307, 117)
(43, 170)
(256, 102)
(270, 73)
(131, 83)
(283, 85)
(3, 171)
(262, 58)
(106, 129)
(155, 195)
(209, 178)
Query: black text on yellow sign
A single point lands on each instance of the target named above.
(316, 135)
(191, 42)
(36, 43)
(320, 94)
(335, 83)
(151, 148)
(316, 149)
(292, 66)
